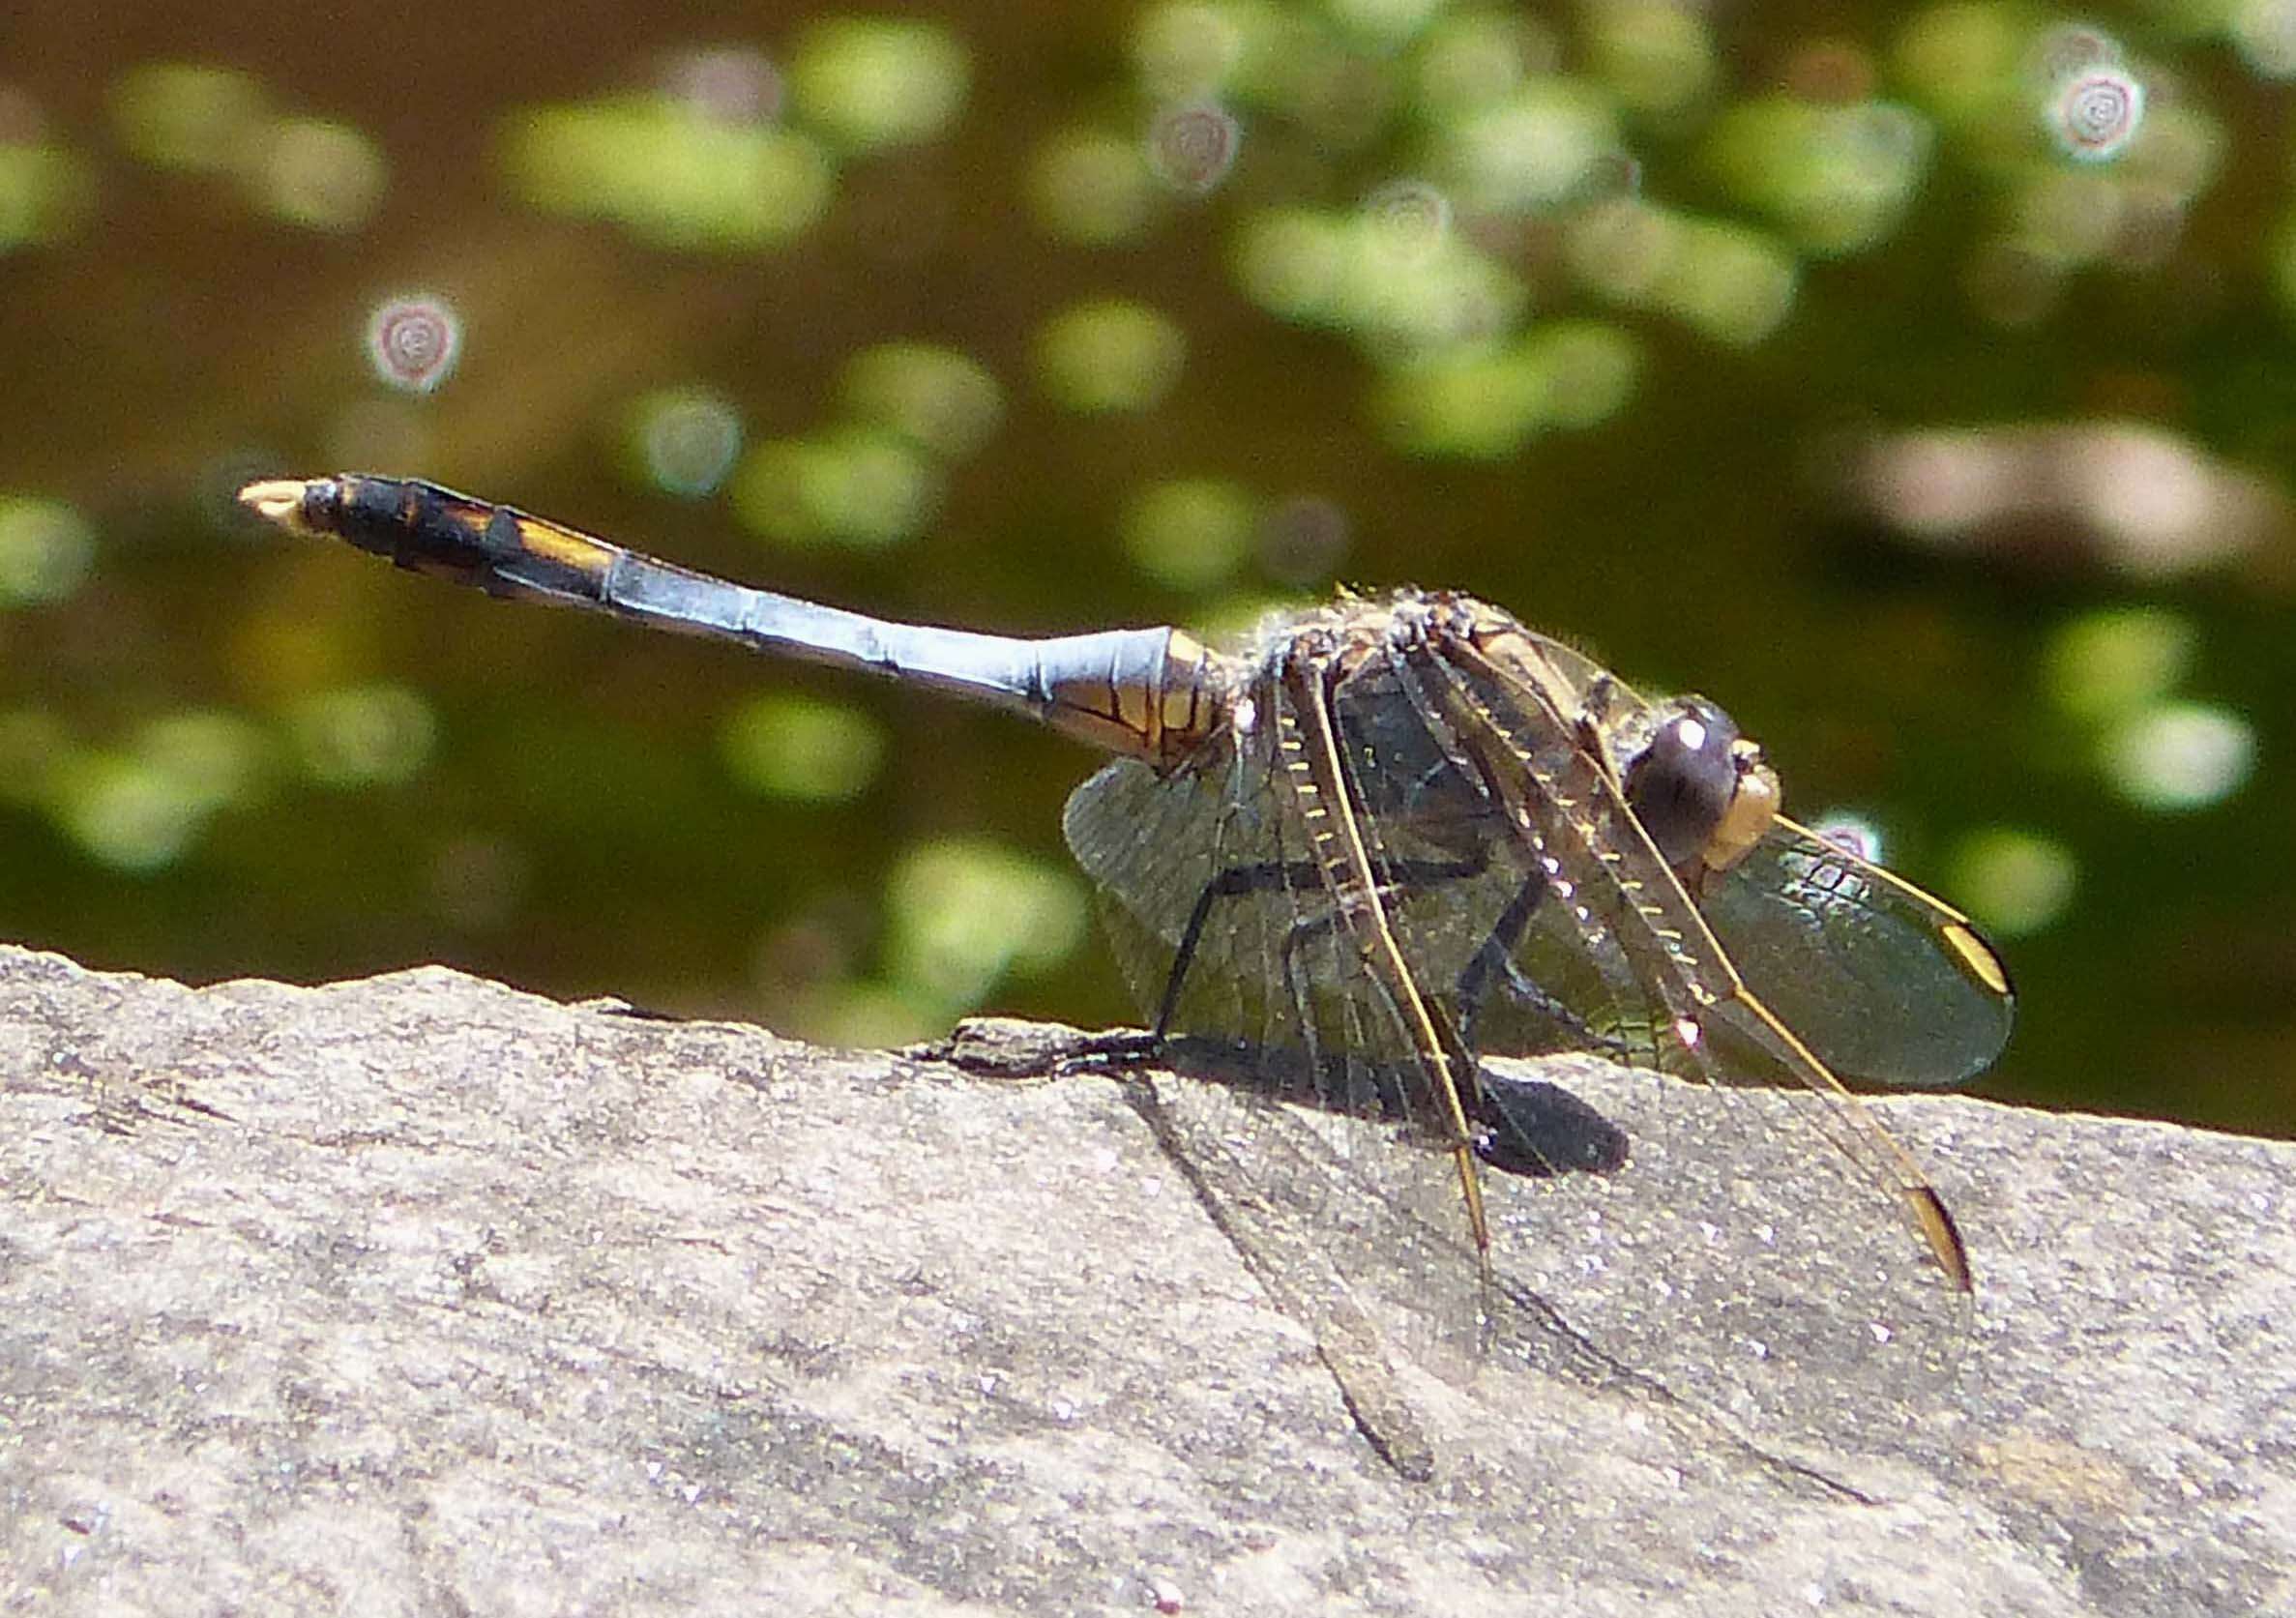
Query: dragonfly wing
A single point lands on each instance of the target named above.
(1213, 867)
(1726, 1252)
(1770, 1206)
(1155, 844)
(1883, 983)
(1215, 862)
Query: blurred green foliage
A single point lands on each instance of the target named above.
(1915, 381)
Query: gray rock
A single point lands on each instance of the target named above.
(421, 1294)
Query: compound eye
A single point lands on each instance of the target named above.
(1681, 786)
(1754, 806)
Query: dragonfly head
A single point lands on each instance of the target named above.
(1701, 790)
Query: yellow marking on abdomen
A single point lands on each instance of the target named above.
(564, 545)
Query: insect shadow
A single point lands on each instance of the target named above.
(1520, 1125)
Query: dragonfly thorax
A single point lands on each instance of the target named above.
(1341, 636)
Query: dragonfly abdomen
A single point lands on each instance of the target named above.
(1152, 694)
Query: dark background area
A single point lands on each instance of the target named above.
(1793, 354)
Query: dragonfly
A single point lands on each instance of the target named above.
(1392, 835)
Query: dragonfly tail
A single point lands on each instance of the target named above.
(1151, 693)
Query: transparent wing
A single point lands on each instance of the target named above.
(1218, 912)
(1743, 1248)
(1883, 983)
(1215, 867)
(1769, 1255)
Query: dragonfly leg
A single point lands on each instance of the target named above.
(1278, 875)
(1527, 1125)
(1496, 959)
(1112, 1049)
(1494, 963)
(1296, 876)
(1399, 877)
(1232, 883)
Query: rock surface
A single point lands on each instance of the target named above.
(421, 1294)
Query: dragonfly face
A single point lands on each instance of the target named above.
(1701, 790)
